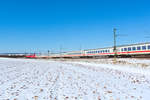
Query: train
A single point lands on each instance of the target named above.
(31, 56)
(131, 50)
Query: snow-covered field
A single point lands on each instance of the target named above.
(25, 79)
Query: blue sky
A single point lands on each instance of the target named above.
(39, 25)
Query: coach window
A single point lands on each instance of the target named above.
(143, 47)
(129, 48)
(121, 49)
(133, 48)
(108, 50)
(148, 46)
(125, 49)
(139, 48)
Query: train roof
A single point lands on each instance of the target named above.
(119, 46)
(134, 44)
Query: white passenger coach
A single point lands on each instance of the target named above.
(132, 50)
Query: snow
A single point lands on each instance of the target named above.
(28, 79)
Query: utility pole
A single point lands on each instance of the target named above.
(60, 48)
(48, 53)
(115, 49)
